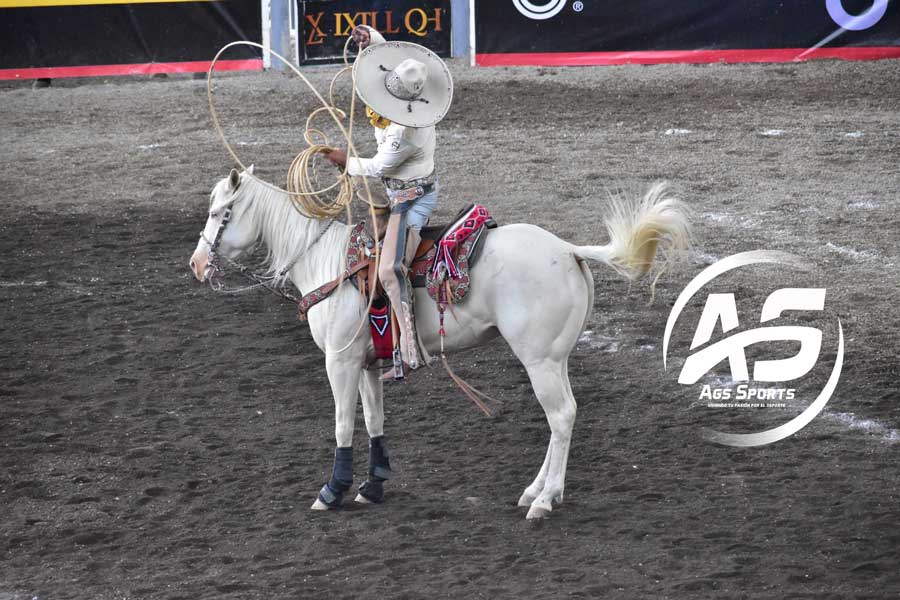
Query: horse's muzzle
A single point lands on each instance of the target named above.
(200, 265)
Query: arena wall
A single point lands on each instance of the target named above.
(572, 32)
(77, 38)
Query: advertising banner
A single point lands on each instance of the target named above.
(572, 32)
(326, 25)
(74, 38)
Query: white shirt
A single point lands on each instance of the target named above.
(403, 153)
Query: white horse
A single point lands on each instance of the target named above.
(528, 286)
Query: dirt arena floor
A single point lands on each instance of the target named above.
(163, 441)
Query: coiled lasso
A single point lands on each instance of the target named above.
(307, 200)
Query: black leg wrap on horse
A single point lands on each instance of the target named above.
(379, 462)
(379, 471)
(332, 493)
(373, 491)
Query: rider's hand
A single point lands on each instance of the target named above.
(337, 157)
(361, 36)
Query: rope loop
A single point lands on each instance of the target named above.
(305, 197)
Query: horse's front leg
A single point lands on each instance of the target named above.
(343, 375)
(371, 390)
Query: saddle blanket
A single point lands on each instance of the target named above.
(448, 260)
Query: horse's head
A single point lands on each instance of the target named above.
(226, 233)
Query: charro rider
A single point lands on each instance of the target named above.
(407, 90)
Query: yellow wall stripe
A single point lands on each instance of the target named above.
(40, 3)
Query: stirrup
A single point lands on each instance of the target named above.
(391, 375)
(398, 370)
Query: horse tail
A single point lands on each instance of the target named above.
(638, 228)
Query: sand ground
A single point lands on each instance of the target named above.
(162, 441)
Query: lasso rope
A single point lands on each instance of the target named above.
(308, 200)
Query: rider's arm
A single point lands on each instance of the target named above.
(392, 152)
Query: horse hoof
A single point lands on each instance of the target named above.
(319, 505)
(526, 499)
(537, 513)
(360, 499)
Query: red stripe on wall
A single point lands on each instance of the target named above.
(135, 69)
(651, 57)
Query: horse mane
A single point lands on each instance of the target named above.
(286, 233)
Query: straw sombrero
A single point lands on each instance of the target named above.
(404, 82)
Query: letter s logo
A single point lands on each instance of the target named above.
(539, 12)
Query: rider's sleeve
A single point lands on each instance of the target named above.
(374, 36)
(392, 153)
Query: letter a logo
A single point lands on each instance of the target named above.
(722, 308)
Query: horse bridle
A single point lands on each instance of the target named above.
(212, 266)
(213, 269)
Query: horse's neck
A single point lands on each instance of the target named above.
(294, 240)
(322, 262)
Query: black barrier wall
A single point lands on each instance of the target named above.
(666, 26)
(327, 24)
(88, 36)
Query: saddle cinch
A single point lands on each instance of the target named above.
(441, 264)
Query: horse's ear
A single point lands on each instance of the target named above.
(234, 178)
(250, 169)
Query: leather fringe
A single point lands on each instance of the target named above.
(473, 394)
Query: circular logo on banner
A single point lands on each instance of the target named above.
(859, 22)
(539, 12)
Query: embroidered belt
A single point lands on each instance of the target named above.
(402, 184)
(409, 194)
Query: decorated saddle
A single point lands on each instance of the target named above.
(446, 253)
(443, 258)
(441, 265)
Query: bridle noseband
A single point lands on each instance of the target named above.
(212, 266)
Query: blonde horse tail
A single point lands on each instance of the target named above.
(638, 228)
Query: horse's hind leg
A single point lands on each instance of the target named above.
(571, 395)
(532, 491)
(550, 382)
(371, 392)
